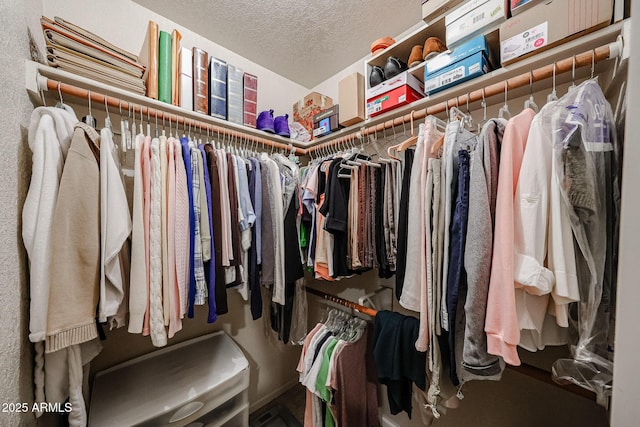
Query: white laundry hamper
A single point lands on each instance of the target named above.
(202, 382)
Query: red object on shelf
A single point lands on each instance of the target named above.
(394, 98)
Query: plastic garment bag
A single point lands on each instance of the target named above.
(586, 164)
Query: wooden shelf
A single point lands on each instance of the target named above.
(579, 45)
(36, 80)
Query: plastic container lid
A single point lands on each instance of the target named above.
(162, 381)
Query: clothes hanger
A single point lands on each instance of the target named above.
(531, 103)
(149, 124)
(123, 133)
(553, 96)
(504, 112)
(59, 104)
(438, 146)
(469, 121)
(156, 127)
(107, 120)
(134, 129)
(573, 75)
(89, 119)
(412, 140)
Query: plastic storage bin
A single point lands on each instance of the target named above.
(200, 382)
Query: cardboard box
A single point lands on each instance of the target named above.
(466, 62)
(311, 104)
(401, 79)
(235, 94)
(549, 24)
(468, 48)
(519, 6)
(250, 100)
(218, 88)
(395, 98)
(432, 9)
(465, 25)
(326, 121)
(351, 99)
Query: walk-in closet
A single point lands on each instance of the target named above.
(354, 214)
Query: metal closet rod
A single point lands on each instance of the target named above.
(114, 102)
(524, 369)
(565, 65)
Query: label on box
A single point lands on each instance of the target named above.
(376, 106)
(319, 131)
(525, 42)
(446, 78)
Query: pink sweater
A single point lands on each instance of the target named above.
(502, 326)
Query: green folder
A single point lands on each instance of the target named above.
(164, 67)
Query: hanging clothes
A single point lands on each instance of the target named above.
(502, 328)
(50, 134)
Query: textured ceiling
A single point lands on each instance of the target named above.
(306, 41)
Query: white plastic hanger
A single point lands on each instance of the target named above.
(531, 103)
(573, 75)
(553, 96)
(504, 112)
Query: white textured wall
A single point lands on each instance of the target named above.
(124, 23)
(15, 351)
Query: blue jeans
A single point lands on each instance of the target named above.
(457, 278)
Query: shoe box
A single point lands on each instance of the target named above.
(235, 94)
(250, 99)
(467, 61)
(549, 24)
(304, 110)
(519, 6)
(397, 91)
(351, 99)
(326, 121)
(434, 8)
(472, 18)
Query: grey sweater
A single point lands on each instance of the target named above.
(478, 249)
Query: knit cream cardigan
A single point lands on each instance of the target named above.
(75, 263)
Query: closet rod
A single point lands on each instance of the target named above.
(587, 58)
(524, 369)
(154, 113)
(360, 308)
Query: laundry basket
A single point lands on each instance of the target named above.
(198, 383)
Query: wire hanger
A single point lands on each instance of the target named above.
(504, 112)
(531, 103)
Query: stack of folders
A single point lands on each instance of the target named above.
(81, 52)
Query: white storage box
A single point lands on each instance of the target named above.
(202, 381)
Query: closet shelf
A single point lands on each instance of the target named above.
(41, 78)
(599, 45)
